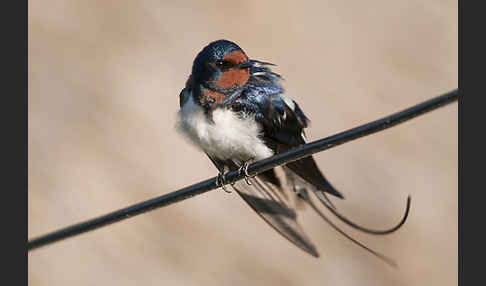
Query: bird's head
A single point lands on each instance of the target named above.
(220, 70)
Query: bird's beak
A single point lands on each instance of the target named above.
(254, 63)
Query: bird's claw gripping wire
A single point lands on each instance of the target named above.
(221, 182)
(244, 169)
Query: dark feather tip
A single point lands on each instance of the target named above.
(334, 192)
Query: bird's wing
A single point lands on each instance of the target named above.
(283, 124)
(269, 201)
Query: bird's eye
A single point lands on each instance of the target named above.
(223, 64)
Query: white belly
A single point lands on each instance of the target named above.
(227, 137)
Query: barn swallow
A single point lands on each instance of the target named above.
(235, 110)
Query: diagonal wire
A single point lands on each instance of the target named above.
(255, 168)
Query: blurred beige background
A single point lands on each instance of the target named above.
(104, 80)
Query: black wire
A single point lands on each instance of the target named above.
(255, 168)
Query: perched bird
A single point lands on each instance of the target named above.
(236, 111)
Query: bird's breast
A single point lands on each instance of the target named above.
(226, 136)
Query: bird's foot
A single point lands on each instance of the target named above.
(221, 182)
(244, 169)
